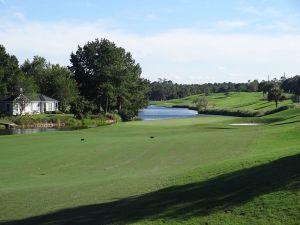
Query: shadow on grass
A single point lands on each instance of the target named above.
(184, 201)
(285, 123)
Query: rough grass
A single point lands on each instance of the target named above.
(193, 171)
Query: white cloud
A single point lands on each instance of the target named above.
(231, 24)
(261, 12)
(19, 15)
(183, 55)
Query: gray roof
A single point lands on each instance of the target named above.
(42, 98)
(37, 97)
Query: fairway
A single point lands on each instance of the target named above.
(250, 101)
(105, 174)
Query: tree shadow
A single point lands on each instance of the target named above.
(285, 123)
(195, 199)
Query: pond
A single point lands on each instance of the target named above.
(153, 112)
(33, 130)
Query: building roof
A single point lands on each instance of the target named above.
(37, 97)
(42, 98)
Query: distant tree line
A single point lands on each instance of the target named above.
(273, 90)
(165, 89)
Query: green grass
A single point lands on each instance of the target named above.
(67, 119)
(194, 171)
(245, 101)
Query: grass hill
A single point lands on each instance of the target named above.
(233, 101)
(193, 171)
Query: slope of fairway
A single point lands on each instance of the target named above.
(251, 101)
(193, 171)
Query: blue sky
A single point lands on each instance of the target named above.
(188, 41)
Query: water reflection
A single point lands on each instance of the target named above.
(33, 130)
(153, 112)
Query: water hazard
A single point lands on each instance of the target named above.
(153, 112)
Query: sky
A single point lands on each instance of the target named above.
(186, 41)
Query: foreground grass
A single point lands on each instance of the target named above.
(194, 171)
(245, 101)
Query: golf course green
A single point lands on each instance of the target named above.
(200, 170)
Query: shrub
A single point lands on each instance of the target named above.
(226, 112)
(201, 102)
(296, 98)
(279, 109)
(24, 120)
(113, 116)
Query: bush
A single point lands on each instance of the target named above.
(225, 112)
(81, 107)
(296, 98)
(100, 121)
(279, 109)
(24, 120)
(113, 116)
(72, 122)
(201, 102)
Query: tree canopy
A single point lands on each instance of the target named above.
(109, 77)
(9, 73)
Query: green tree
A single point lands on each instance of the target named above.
(265, 86)
(275, 94)
(63, 87)
(27, 84)
(108, 76)
(38, 70)
(201, 102)
(81, 107)
(9, 73)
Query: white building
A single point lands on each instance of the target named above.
(36, 105)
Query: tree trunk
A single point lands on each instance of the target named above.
(106, 107)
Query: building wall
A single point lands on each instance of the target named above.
(35, 108)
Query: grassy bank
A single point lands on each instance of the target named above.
(62, 120)
(233, 104)
(186, 171)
